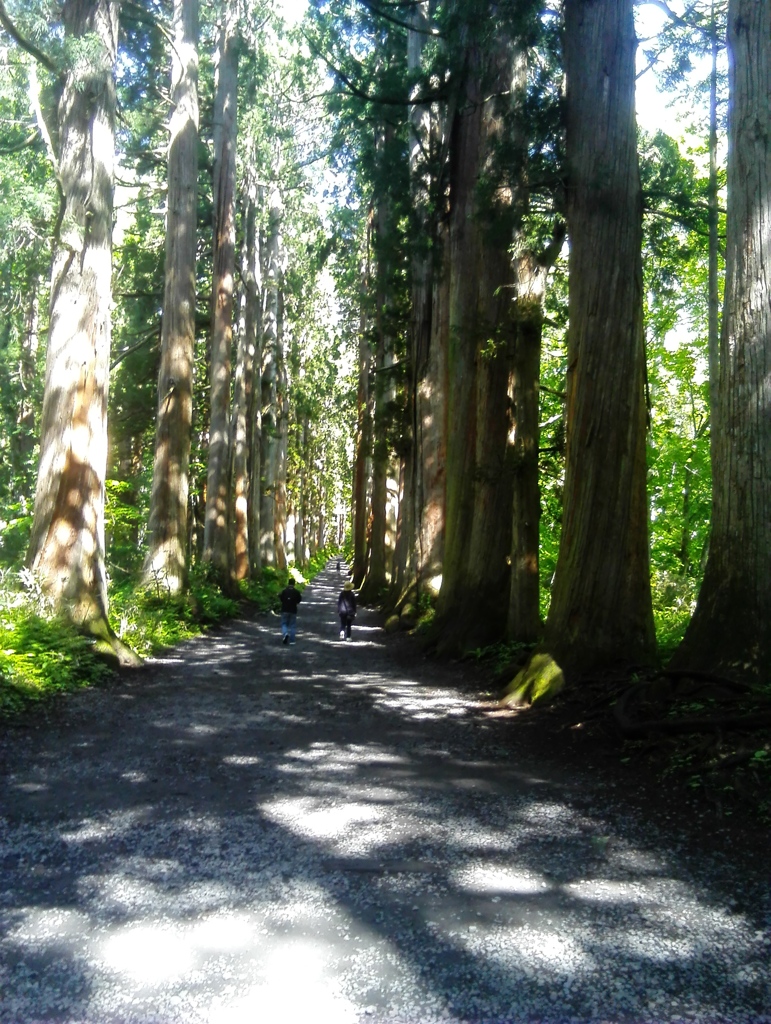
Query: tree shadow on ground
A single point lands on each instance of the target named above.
(325, 833)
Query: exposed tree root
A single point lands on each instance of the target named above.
(624, 708)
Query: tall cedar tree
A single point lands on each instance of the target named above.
(217, 531)
(421, 507)
(269, 386)
(166, 560)
(730, 632)
(473, 601)
(601, 610)
(67, 541)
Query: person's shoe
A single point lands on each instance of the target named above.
(291, 643)
(347, 638)
(286, 639)
(342, 634)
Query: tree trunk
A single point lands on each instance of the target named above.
(713, 332)
(243, 399)
(431, 422)
(363, 443)
(302, 499)
(473, 601)
(270, 411)
(524, 623)
(253, 332)
(217, 534)
(376, 579)
(405, 582)
(730, 633)
(67, 541)
(464, 259)
(166, 561)
(601, 612)
(282, 440)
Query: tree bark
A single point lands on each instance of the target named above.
(406, 559)
(362, 449)
(270, 411)
(282, 441)
(601, 612)
(67, 541)
(217, 532)
(376, 580)
(253, 327)
(431, 419)
(713, 330)
(166, 561)
(523, 622)
(464, 259)
(243, 397)
(730, 633)
(473, 601)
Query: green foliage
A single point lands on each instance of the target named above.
(39, 656)
(501, 656)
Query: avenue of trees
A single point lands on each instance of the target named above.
(408, 279)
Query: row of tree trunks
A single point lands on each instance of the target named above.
(481, 338)
(730, 632)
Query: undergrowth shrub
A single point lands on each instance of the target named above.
(40, 654)
(674, 599)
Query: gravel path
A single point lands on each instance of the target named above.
(336, 833)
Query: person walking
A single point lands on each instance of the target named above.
(346, 609)
(289, 597)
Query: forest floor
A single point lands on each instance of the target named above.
(340, 833)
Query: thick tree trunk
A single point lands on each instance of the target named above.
(730, 633)
(524, 623)
(376, 579)
(473, 601)
(302, 498)
(360, 473)
(217, 534)
(601, 612)
(253, 327)
(243, 401)
(67, 541)
(431, 420)
(282, 442)
(166, 561)
(713, 332)
(464, 257)
(405, 582)
(270, 410)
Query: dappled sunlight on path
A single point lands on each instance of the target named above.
(334, 832)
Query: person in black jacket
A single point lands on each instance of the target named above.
(346, 609)
(289, 597)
